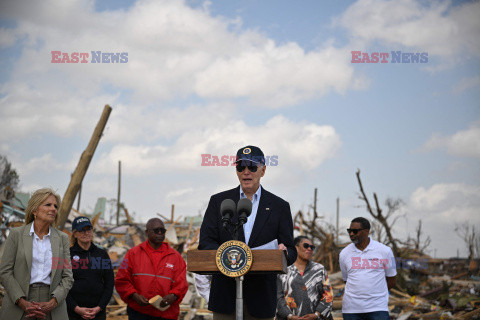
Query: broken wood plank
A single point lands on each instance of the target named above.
(119, 300)
(132, 231)
(400, 293)
(119, 311)
(468, 315)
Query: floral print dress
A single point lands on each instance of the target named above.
(300, 295)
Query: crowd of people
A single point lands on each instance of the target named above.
(48, 276)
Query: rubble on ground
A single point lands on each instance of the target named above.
(438, 296)
(430, 289)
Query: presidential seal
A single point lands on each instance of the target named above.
(234, 258)
(247, 151)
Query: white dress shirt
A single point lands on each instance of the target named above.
(248, 226)
(41, 258)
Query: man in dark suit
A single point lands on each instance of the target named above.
(270, 220)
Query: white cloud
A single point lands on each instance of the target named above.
(133, 123)
(438, 28)
(465, 84)
(273, 76)
(179, 193)
(27, 111)
(453, 201)
(312, 143)
(441, 207)
(45, 163)
(173, 51)
(465, 143)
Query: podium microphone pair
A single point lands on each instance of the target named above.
(228, 208)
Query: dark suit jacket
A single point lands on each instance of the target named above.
(273, 221)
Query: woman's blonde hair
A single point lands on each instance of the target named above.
(72, 238)
(36, 200)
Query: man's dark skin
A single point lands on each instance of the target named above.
(155, 240)
(361, 241)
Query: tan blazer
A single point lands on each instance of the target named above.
(16, 266)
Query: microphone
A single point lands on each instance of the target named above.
(227, 209)
(244, 209)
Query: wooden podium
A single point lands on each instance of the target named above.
(264, 261)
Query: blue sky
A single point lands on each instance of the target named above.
(213, 76)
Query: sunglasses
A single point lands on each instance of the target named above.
(159, 230)
(311, 246)
(86, 230)
(252, 166)
(354, 231)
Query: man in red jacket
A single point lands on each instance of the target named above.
(149, 269)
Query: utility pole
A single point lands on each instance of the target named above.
(315, 203)
(118, 194)
(81, 169)
(78, 199)
(79, 194)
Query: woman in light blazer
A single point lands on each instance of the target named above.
(35, 269)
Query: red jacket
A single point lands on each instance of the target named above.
(149, 272)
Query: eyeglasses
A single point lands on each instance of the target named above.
(159, 230)
(252, 166)
(354, 231)
(311, 246)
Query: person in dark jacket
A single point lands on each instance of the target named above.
(270, 221)
(92, 274)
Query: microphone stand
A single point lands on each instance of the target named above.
(239, 298)
(238, 280)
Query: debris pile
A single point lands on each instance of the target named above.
(438, 296)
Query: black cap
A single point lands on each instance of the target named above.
(81, 222)
(251, 153)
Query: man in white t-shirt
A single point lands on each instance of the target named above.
(368, 268)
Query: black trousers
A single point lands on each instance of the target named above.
(135, 315)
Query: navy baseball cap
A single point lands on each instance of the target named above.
(251, 153)
(81, 222)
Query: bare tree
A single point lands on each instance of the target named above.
(418, 244)
(467, 233)
(9, 178)
(322, 233)
(393, 207)
(377, 232)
